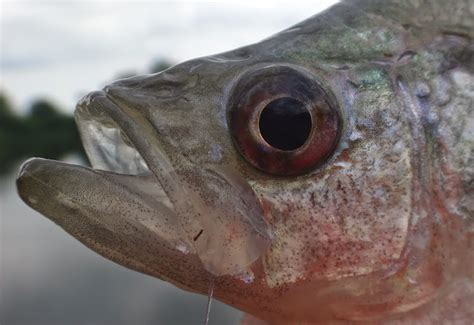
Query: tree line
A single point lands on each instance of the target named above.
(44, 132)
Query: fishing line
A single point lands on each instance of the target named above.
(210, 294)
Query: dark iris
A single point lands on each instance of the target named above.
(285, 123)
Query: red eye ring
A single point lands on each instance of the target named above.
(255, 92)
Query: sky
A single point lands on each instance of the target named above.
(60, 50)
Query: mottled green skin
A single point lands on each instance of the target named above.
(381, 231)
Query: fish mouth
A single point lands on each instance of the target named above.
(106, 144)
(134, 203)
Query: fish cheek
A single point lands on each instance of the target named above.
(352, 217)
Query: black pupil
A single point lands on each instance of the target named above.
(285, 123)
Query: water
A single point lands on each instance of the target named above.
(48, 277)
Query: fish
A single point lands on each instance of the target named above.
(324, 175)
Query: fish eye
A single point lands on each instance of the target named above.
(282, 120)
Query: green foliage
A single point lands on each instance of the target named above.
(45, 132)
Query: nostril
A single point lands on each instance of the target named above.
(110, 90)
(116, 93)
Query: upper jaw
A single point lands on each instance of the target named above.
(107, 145)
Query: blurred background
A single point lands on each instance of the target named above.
(51, 54)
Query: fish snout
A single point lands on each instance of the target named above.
(227, 232)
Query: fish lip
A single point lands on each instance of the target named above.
(25, 165)
(109, 105)
(101, 104)
(23, 173)
(90, 97)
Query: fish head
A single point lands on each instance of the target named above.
(280, 171)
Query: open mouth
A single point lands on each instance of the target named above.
(134, 196)
(107, 146)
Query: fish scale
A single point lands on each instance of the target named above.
(370, 219)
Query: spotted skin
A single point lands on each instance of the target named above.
(379, 231)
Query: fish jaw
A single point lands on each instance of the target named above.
(222, 222)
(121, 225)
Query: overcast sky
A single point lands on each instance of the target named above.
(62, 49)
